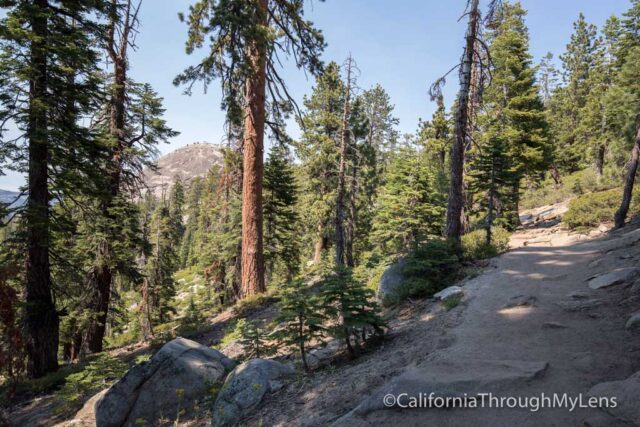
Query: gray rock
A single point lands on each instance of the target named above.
(245, 387)
(634, 321)
(553, 325)
(580, 305)
(540, 239)
(595, 263)
(521, 301)
(323, 355)
(178, 374)
(578, 295)
(448, 293)
(627, 394)
(615, 277)
(391, 282)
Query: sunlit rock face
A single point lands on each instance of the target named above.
(187, 163)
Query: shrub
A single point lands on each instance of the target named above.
(474, 244)
(254, 340)
(96, 375)
(575, 184)
(593, 209)
(352, 307)
(428, 269)
(302, 318)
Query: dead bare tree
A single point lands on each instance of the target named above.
(472, 69)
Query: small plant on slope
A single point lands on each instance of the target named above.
(352, 306)
(254, 340)
(302, 318)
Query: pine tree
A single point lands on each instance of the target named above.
(48, 81)
(193, 200)
(162, 261)
(340, 213)
(254, 340)
(409, 206)
(514, 110)
(381, 134)
(302, 318)
(492, 178)
(435, 135)
(578, 63)
(245, 41)
(281, 214)
(318, 153)
(131, 146)
(216, 241)
(352, 307)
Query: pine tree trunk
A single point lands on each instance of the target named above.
(98, 304)
(456, 200)
(146, 326)
(320, 245)
(102, 275)
(515, 214)
(40, 315)
(621, 214)
(600, 160)
(340, 192)
(253, 169)
(353, 214)
(555, 174)
(492, 195)
(303, 354)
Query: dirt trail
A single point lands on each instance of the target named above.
(530, 325)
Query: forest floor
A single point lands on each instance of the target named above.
(528, 323)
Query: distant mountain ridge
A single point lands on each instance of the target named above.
(7, 196)
(188, 162)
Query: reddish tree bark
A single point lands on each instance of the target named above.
(252, 263)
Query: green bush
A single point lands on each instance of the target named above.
(352, 308)
(428, 269)
(96, 375)
(255, 341)
(581, 182)
(593, 209)
(474, 244)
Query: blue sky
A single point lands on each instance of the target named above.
(402, 44)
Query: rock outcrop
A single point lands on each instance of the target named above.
(615, 277)
(449, 293)
(634, 321)
(391, 282)
(245, 387)
(627, 398)
(179, 373)
(186, 163)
